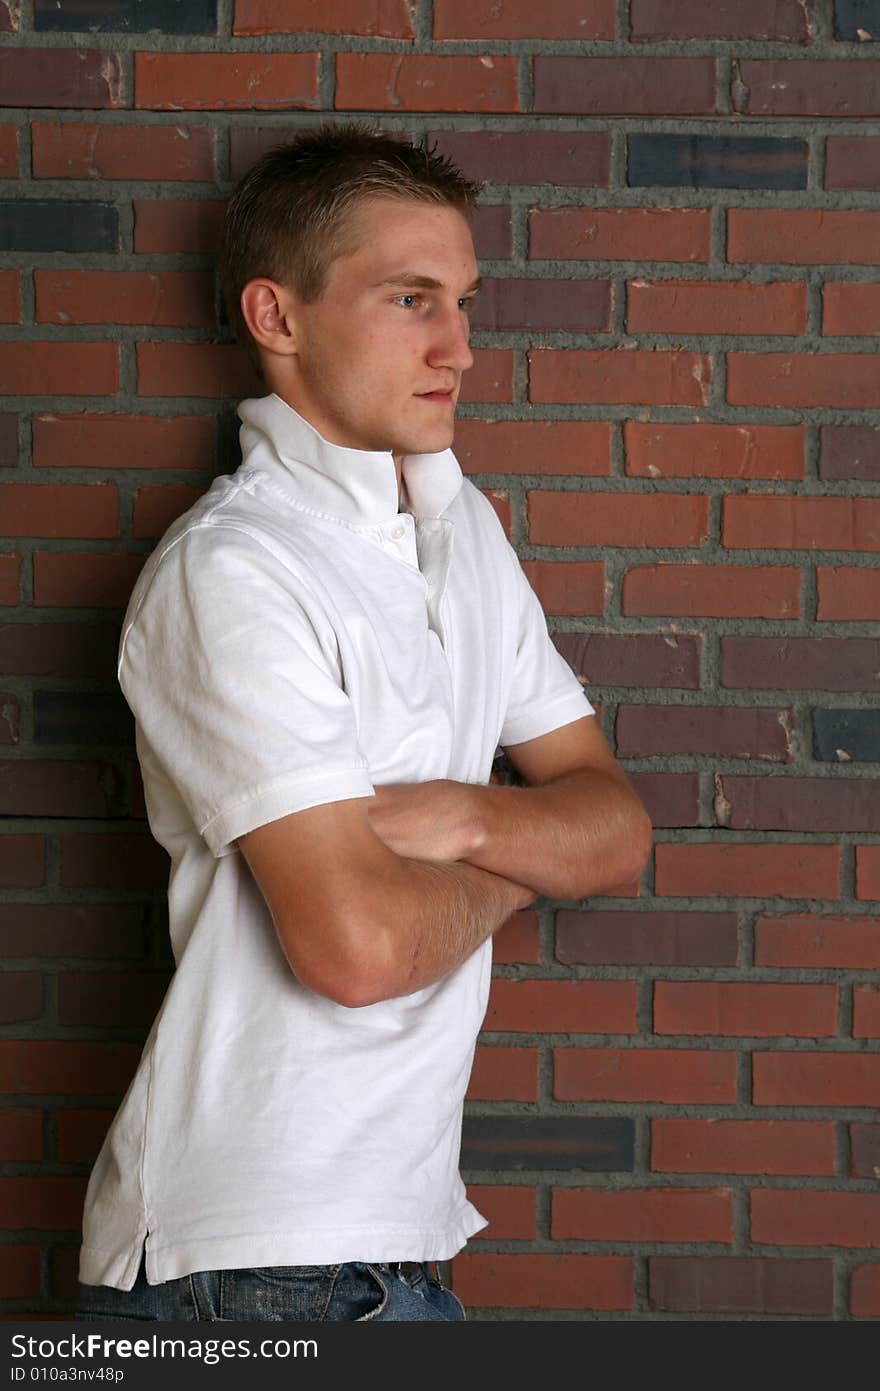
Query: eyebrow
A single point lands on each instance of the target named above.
(426, 282)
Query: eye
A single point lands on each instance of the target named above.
(407, 301)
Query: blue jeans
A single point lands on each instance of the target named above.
(403, 1291)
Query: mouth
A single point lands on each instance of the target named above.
(443, 396)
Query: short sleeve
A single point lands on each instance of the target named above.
(229, 666)
(544, 693)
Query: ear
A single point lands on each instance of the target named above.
(267, 309)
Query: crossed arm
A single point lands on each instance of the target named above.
(380, 897)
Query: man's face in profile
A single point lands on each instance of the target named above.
(380, 355)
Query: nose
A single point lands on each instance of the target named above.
(451, 347)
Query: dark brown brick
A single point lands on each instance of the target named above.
(741, 1285)
(169, 225)
(599, 1144)
(21, 996)
(852, 161)
(807, 87)
(784, 21)
(530, 157)
(8, 440)
(248, 143)
(22, 861)
(102, 998)
(574, 306)
(864, 1140)
(521, 19)
(10, 718)
(65, 77)
(21, 1134)
(798, 664)
(625, 86)
(629, 938)
(59, 649)
(125, 860)
(71, 929)
(43, 787)
(76, 717)
(66, 1065)
(81, 1134)
(654, 731)
(492, 232)
(671, 799)
(850, 451)
(650, 659)
(802, 804)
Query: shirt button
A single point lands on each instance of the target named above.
(398, 532)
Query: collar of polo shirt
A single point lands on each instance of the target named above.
(356, 486)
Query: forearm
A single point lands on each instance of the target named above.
(572, 838)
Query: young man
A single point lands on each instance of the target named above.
(323, 656)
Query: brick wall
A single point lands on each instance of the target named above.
(675, 403)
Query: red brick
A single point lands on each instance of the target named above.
(67, 1066)
(865, 1291)
(74, 150)
(520, 19)
(492, 232)
(823, 87)
(625, 86)
(543, 1281)
(517, 940)
(562, 1006)
(578, 158)
(796, 664)
(800, 804)
(670, 799)
(785, 20)
(868, 871)
(510, 1210)
(59, 649)
(713, 1146)
(490, 379)
(22, 861)
(741, 1285)
(652, 731)
(126, 860)
(852, 161)
(616, 519)
(740, 1009)
(848, 592)
(390, 19)
(59, 369)
(680, 1075)
(627, 938)
(504, 1074)
(748, 871)
(718, 591)
(810, 1218)
(568, 587)
(10, 565)
(170, 225)
(155, 508)
(818, 942)
(847, 380)
(10, 300)
(67, 77)
(633, 659)
(642, 1214)
(89, 440)
(802, 523)
(803, 236)
(19, 1271)
(8, 151)
(652, 376)
(182, 298)
(578, 447)
(866, 1011)
(501, 503)
(225, 81)
(195, 369)
(21, 992)
(71, 929)
(45, 787)
(401, 82)
(65, 580)
(21, 1134)
(662, 450)
(60, 509)
(850, 308)
(619, 234)
(44, 1202)
(81, 1134)
(105, 998)
(572, 306)
(815, 1079)
(687, 306)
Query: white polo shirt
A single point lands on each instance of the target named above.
(295, 640)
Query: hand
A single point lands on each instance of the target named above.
(437, 821)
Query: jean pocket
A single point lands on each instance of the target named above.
(277, 1293)
(360, 1294)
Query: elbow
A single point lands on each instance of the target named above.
(346, 970)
